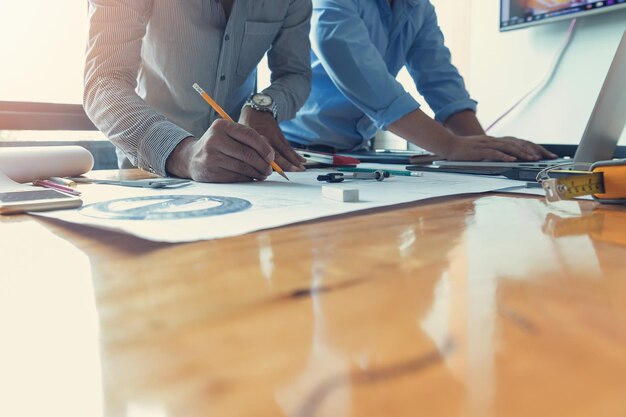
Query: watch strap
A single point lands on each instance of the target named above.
(270, 109)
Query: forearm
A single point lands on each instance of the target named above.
(179, 159)
(464, 123)
(145, 136)
(419, 129)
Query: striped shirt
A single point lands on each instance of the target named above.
(143, 57)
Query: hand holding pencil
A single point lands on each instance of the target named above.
(225, 115)
(227, 152)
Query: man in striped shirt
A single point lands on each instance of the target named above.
(143, 57)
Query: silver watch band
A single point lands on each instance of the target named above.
(269, 109)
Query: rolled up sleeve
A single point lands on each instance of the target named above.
(341, 41)
(430, 65)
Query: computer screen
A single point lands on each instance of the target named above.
(515, 14)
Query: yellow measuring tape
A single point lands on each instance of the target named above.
(606, 182)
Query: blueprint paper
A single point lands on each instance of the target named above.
(274, 203)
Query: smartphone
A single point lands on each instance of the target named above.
(36, 200)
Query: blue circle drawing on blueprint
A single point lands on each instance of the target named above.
(165, 207)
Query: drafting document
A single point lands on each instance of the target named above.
(211, 211)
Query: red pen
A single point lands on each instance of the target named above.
(59, 187)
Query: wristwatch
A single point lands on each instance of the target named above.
(262, 102)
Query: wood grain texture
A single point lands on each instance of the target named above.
(483, 306)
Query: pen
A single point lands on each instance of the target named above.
(390, 171)
(63, 181)
(378, 175)
(225, 115)
(54, 186)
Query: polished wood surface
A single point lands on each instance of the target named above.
(490, 305)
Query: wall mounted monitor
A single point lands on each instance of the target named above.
(516, 14)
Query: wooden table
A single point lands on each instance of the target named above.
(490, 305)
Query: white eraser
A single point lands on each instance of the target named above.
(346, 195)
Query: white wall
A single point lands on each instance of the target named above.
(503, 66)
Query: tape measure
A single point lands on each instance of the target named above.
(606, 223)
(605, 181)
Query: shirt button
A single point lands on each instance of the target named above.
(223, 77)
(227, 37)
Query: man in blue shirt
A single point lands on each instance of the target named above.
(358, 48)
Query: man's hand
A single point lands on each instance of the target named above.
(227, 152)
(464, 140)
(487, 148)
(265, 124)
(472, 144)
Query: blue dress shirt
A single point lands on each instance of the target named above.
(358, 48)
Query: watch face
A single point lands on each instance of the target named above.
(262, 100)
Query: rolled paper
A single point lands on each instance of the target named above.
(28, 163)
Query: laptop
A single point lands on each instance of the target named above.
(603, 131)
(386, 156)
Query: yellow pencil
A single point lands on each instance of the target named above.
(225, 115)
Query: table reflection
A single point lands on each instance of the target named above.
(49, 354)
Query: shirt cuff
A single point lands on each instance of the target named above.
(157, 145)
(453, 108)
(284, 112)
(398, 108)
